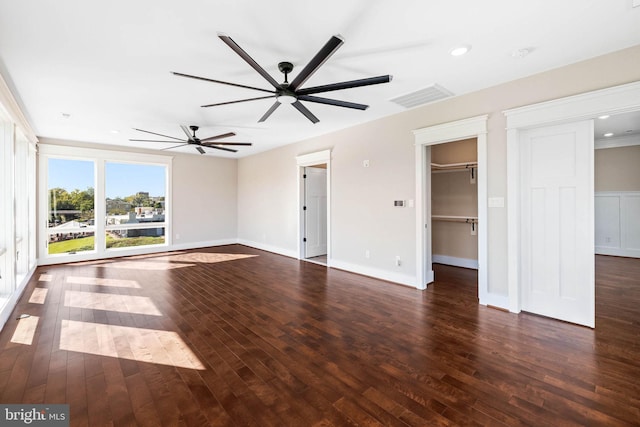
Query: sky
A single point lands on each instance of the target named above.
(122, 179)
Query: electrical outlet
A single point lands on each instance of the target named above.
(367, 254)
(177, 236)
(398, 262)
(365, 163)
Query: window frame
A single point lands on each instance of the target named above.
(100, 157)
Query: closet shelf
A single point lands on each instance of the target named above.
(453, 166)
(455, 218)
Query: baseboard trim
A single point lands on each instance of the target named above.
(629, 253)
(456, 262)
(205, 244)
(376, 273)
(269, 248)
(500, 302)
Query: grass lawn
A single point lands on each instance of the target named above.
(87, 243)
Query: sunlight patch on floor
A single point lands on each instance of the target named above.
(111, 302)
(204, 257)
(38, 296)
(142, 345)
(25, 330)
(96, 281)
(45, 277)
(144, 265)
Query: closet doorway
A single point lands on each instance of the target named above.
(454, 203)
(425, 139)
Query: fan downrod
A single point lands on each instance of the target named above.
(285, 67)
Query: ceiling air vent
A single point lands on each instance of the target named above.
(423, 96)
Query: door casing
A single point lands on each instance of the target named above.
(474, 127)
(614, 100)
(302, 161)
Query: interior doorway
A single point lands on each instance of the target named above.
(315, 213)
(617, 184)
(586, 106)
(425, 138)
(454, 203)
(314, 207)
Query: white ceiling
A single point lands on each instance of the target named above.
(107, 64)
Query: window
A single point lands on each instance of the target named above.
(135, 205)
(71, 202)
(98, 202)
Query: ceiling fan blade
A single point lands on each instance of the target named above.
(245, 144)
(270, 111)
(152, 140)
(335, 102)
(221, 82)
(200, 149)
(244, 55)
(345, 85)
(188, 133)
(308, 114)
(158, 134)
(327, 50)
(213, 138)
(235, 102)
(220, 148)
(175, 146)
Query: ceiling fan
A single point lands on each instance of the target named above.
(200, 144)
(292, 93)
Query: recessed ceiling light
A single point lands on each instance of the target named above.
(115, 131)
(460, 50)
(608, 134)
(521, 53)
(66, 115)
(604, 117)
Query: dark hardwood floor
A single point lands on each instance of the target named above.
(236, 336)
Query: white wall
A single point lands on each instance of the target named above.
(618, 169)
(204, 200)
(362, 213)
(617, 223)
(617, 201)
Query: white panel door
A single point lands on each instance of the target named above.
(315, 199)
(557, 222)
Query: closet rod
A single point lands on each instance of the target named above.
(454, 218)
(466, 165)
